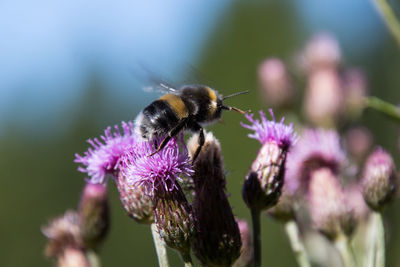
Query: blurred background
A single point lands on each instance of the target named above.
(69, 69)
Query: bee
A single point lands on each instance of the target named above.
(189, 108)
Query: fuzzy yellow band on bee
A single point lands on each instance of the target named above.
(177, 105)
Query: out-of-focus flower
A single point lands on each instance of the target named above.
(380, 179)
(324, 100)
(94, 214)
(160, 171)
(315, 149)
(263, 185)
(274, 80)
(358, 142)
(73, 258)
(285, 209)
(322, 51)
(137, 201)
(175, 221)
(355, 201)
(327, 204)
(102, 158)
(355, 91)
(63, 234)
(217, 242)
(246, 253)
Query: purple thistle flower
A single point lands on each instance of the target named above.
(160, 171)
(263, 185)
(315, 149)
(102, 158)
(271, 131)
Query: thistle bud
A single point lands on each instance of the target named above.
(323, 103)
(263, 185)
(275, 83)
(246, 254)
(64, 236)
(322, 51)
(217, 242)
(136, 200)
(94, 214)
(380, 179)
(329, 212)
(175, 221)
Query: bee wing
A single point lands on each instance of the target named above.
(162, 88)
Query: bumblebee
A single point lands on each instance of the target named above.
(189, 108)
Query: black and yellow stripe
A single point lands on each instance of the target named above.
(176, 104)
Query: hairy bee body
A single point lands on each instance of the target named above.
(188, 108)
(196, 105)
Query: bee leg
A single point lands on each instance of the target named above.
(201, 141)
(171, 134)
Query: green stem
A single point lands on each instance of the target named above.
(384, 107)
(160, 247)
(255, 218)
(390, 18)
(296, 243)
(376, 241)
(342, 243)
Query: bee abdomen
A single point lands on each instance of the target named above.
(158, 118)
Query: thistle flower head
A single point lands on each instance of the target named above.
(380, 179)
(217, 242)
(271, 131)
(275, 83)
(329, 212)
(315, 149)
(63, 232)
(137, 200)
(160, 171)
(103, 155)
(324, 98)
(262, 187)
(175, 221)
(321, 51)
(94, 214)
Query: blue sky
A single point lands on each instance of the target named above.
(48, 48)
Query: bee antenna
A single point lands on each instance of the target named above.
(235, 109)
(235, 94)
